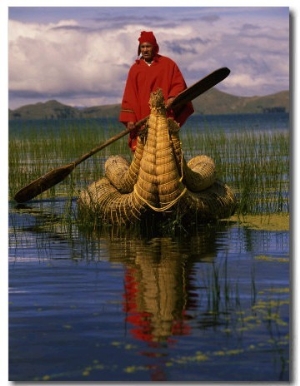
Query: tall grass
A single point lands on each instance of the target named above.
(254, 164)
(36, 147)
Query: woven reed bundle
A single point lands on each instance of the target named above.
(112, 198)
(110, 205)
(116, 168)
(146, 186)
(122, 174)
(199, 173)
(216, 202)
(159, 181)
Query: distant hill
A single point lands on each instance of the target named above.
(212, 102)
(56, 110)
(218, 102)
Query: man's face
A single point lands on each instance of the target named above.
(147, 51)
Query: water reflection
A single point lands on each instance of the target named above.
(160, 289)
(167, 297)
(159, 282)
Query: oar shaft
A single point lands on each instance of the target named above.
(57, 175)
(108, 142)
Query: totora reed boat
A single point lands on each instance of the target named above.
(158, 180)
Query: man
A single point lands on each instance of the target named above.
(150, 72)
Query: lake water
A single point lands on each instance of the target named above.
(229, 123)
(211, 304)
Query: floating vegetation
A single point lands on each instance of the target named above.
(268, 222)
(273, 259)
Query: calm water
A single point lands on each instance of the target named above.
(85, 305)
(229, 123)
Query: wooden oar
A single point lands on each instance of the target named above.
(57, 175)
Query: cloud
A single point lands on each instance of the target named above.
(59, 59)
(85, 59)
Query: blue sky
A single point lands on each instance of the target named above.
(80, 56)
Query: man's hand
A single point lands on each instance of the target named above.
(169, 101)
(130, 125)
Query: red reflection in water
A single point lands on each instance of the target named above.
(155, 301)
(150, 322)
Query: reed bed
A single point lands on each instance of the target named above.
(255, 164)
(36, 147)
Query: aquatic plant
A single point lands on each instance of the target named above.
(254, 164)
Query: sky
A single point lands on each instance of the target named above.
(80, 56)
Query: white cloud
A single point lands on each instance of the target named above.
(87, 60)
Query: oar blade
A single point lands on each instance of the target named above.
(201, 86)
(43, 183)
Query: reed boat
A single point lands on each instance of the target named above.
(158, 179)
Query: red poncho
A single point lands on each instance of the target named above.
(142, 80)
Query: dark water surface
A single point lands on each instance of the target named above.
(211, 304)
(208, 306)
(229, 123)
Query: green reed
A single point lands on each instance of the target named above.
(255, 165)
(34, 150)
